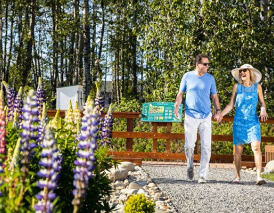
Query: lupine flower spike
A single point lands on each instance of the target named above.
(41, 96)
(99, 100)
(18, 105)
(11, 98)
(49, 173)
(15, 120)
(42, 124)
(99, 105)
(69, 118)
(77, 116)
(85, 155)
(106, 133)
(15, 155)
(55, 123)
(29, 134)
(2, 135)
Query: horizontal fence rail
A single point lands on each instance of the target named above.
(129, 135)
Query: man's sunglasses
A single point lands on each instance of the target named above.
(240, 71)
(205, 64)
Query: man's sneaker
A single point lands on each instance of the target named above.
(201, 180)
(190, 173)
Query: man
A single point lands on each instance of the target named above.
(198, 86)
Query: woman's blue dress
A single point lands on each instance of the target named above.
(246, 125)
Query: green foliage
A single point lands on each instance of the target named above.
(268, 176)
(139, 204)
(126, 105)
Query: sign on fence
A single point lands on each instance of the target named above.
(160, 112)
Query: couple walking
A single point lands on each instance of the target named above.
(199, 86)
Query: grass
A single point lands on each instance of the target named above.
(268, 176)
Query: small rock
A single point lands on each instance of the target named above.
(137, 185)
(117, 174)
(158, 196)
(269, 168)
(151, 185)
(127, 165)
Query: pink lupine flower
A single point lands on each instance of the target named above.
(2, 134)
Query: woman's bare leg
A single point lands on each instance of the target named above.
(256, 148)
(238, 159)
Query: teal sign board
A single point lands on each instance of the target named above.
(160, 112)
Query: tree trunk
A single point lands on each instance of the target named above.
(93, 53)
(134, 51)
(20, 39)
(11, 42)
(74, 51)
(55, 50)
(30, 22)
(86, 38)
(123, 91)
(99, 70)
(142, 77)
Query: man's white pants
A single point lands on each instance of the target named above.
(192, 125)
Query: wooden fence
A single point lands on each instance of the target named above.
(137, 157)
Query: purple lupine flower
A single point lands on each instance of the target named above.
(107, 126)
(41, 96)
(29, 134)
(99, 105)
(18, 105)
(49, 173)
(84, 164)
(42, 124)
(2, 134)
(11, 98)
(99, 100)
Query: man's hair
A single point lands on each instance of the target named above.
(199, 57)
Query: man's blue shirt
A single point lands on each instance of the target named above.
(198, 91)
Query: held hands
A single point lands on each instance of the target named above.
(263, 114)
(218, 117)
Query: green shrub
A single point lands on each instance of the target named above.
(139, 204)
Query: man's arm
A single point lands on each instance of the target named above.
(178, 101)
(216, 104)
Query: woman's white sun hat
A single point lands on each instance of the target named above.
(235, 72)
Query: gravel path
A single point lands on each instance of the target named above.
(218, 195)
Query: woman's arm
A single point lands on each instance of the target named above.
(263, 113)
(230, 106)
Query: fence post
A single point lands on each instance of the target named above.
(168, 130)
(196, 147)
(129, 141)
(154, 148)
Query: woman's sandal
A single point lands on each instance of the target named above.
(236, 180)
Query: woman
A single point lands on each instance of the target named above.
(246, 125)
